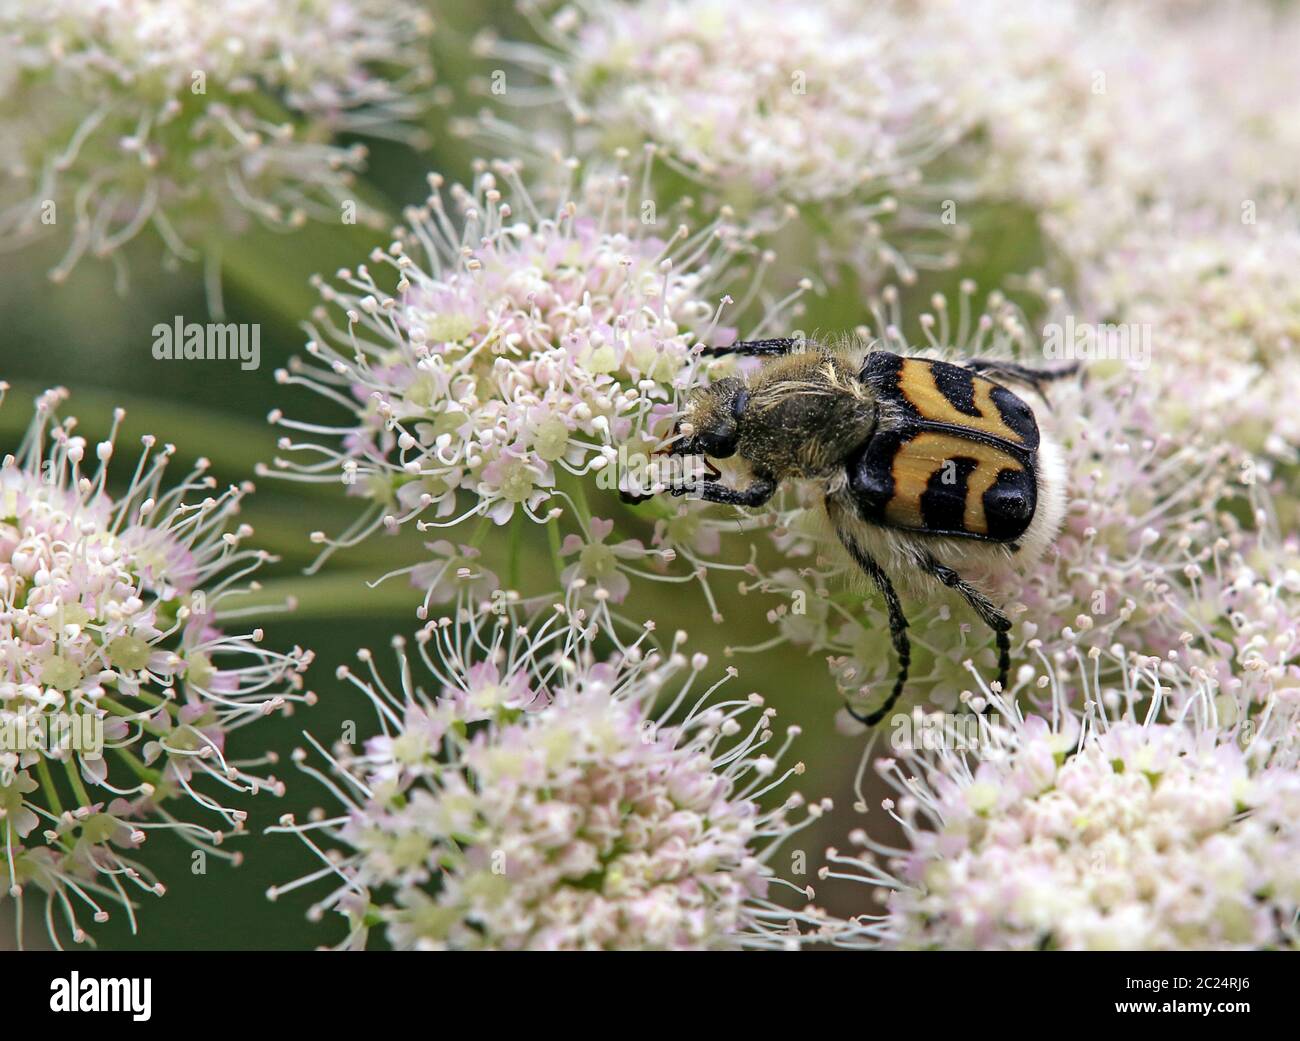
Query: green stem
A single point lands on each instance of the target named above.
(47, 785)
(579, 497)
(74, 775)
(66, 841)
(340, 594)
(481, 529)
(118, 709)
(553, 540)
(516, 544)
(145, 773)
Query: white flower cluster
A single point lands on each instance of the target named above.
(1106, 827)
(1223, 315)
(1083, 112)
(779, 110)
(512, 346)
(118, 684)
(543, 801)
(187, 115)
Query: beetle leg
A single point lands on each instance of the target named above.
(762, 489)
(983, 607)
(757, 348)
(1011, 370)
(897, 624)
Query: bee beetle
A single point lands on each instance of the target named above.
(924, 466)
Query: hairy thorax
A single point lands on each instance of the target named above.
(805, 414)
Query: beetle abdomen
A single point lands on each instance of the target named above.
(958, 457)
(935, 482)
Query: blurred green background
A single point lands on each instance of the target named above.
(87, 336)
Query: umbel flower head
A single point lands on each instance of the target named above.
(1243, 56)
(808, 113)
(540, 799)
(1211, 290)
(1081, 113)
(515, 348)
(118, 683)
(184, 115)
(1143, 820)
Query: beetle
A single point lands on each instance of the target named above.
(925, 467)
